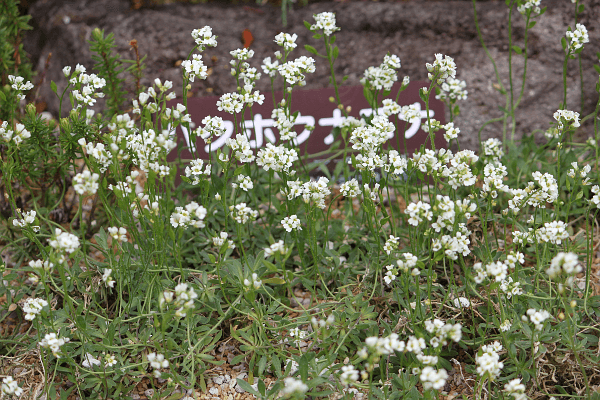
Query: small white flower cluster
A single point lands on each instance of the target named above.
(284, 123)
(7, 134)
(243, 182)
(505, 326)
(459, 172)
(564, 264)
(448, 211)
(410, 113)
(86, 183)
(596, 198)
(577, 38)
(433, 379)
(242, 213)
(377, 347)
(390, 107)
(351, 189)
(428, 162)
(107, 278)
(451, 132)
(291, 223)
(325, 21)
(349, 375)
(453, 89)
(98, 152)
(536, 194)
(537, 317)
(493, 148)
(157, 361)
(516, 389)
(28, 218)
(194, 68)
(582, 173)
(240, 147)
(418, 212)
(384, 76)
(64, 242)
(39, 265)
(293, 387)
(33, 307)
(277, 247)
(315, 191)
(552, 232)
(11, 387)
(321, 324)
(297, 334)
(148, 148)
(153, 107)
(118, 233)
(452, 246)
(254, 283)
(527, 5)
(54, 343)
(89, 360)
(213, 126)
(123, 189)
(204, 38)
(410, 261)
(192, 214)
(231, 103)
(442, 332)
(293, 71)
(397, 164)
(16, 82)
(287, 41)
(196, 169)
(220, 240)
(493, 181)
(566, 119)
(270, 68)
(278, 158)
(488, 361)
(182, 299)
(441, 68)
(92, 82)
(496, 271)
(391, 244)
(511, 288)
(369, 139)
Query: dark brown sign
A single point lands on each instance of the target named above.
(316, 110)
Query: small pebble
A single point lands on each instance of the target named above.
(218, 380)
(149, 392)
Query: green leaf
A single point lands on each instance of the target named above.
(336, 52)
(311, 49)
(3, 96)
(274, 281)
(247, 387)
(53, 87)
(317, 36)
(532, 24)
(579, 195)
(597, 68)
(563, 43)
(581, 8)
(307, 25)
(517, 49)
(262, 365)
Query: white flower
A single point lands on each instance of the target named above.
(441, 68)
(287, 41)
(107, 278)
(418, 212)
(433, 379)
(488, 362)
(566, 119)
(33, 307)
(349, 375)
(28, 219)
(453, 89)
(577, 38)
(391, 244)
(110, 360)
(516, 389)
(565, 264)
(204, 38)
(157, 361)
(255, 282)
(194, 68)
(119, 234)
(325, 21)
(278, 247)
(11, 387)
(537, 317)
(293, 386)
(89, 361)
(290, 223)
(54, 343)
(64, 241)
(242, 213)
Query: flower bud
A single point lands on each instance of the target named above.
(561, 316)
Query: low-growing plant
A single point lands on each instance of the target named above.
(383, 278)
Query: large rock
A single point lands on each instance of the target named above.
(413, 30)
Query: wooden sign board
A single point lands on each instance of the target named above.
(315, 109)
